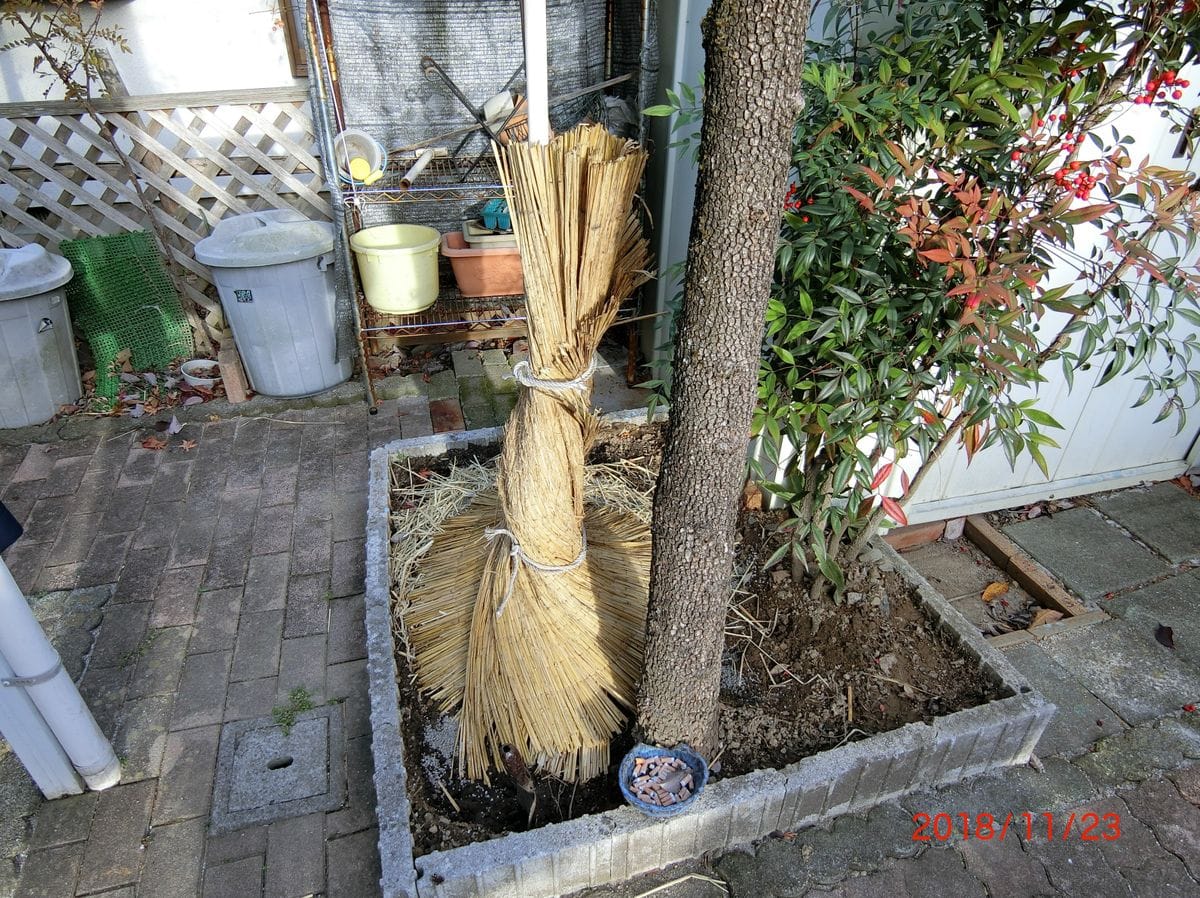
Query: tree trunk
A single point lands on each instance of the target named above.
(753, 66)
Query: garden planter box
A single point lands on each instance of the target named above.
(610, 847)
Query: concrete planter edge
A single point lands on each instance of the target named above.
(610, 847)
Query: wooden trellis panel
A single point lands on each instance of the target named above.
(198, 158)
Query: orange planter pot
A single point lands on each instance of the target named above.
(483, 272)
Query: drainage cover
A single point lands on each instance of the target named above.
(266, 774)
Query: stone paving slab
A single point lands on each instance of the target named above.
(1163, 516)
(1081, 718)
(952, 570)
(1086, 552)
(1171, 603)
(1139, 679)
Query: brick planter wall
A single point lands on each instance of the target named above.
(618, 844)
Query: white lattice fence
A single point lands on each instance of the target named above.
(198, 157)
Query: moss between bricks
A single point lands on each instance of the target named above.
(299, 701)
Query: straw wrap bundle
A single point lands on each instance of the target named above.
(531, 630)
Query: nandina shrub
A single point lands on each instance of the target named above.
(948, 161)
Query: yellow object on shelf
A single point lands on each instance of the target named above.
(360, 168)
(398, 266)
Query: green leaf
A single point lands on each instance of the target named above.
(1039, 459)
(832, 572)
(996, 53)
(1008, 108)
(662, 109)
(959, 76)
(777, 556)
(841, 475)
(1038, 416)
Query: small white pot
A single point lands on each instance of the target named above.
(200, 373)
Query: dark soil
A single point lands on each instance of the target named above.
(800, 676)
(808, 675)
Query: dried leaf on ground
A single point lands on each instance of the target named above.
(187, 445)
(154, 443)
(1045, 616)
(994, 590)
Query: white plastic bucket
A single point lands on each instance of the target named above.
(398, 267)
(353, 144)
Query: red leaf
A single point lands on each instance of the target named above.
(153, 443)
(863, 200)
(893, 510)
(904, 483)
(874, 176)
(881, 475)
(1088, 213)
(938, 255)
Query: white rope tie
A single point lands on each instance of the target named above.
(522, 372)
(518, 557)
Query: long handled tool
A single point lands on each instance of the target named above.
(558, 100)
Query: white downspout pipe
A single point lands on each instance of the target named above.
(33, 743)
(537, 75)
(38, 671)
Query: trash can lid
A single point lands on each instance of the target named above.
(31, 270)
(255, 239)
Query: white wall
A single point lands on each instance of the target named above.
(177, 46)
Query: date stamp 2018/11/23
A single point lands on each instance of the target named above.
(1086, 827)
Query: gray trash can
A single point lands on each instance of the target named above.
(274, 272)
(37, 350)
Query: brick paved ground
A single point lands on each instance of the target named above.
(235, 572)
(237, 569)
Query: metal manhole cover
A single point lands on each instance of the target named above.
(265, 774)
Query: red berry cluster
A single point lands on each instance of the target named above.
(1071, 142)
(794, 203)
(1075, 176)
(1157, 87)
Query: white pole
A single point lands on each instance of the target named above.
(537, 77)
(40, 674)
(32, 741)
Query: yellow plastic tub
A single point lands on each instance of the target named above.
(398, 267)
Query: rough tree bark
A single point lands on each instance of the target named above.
(754, 53)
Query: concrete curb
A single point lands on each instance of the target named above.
(619, 844)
